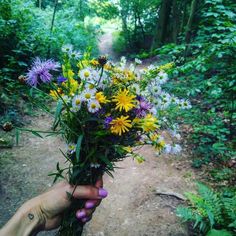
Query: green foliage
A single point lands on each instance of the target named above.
(205, 71)
(211, 212)
(25, 33)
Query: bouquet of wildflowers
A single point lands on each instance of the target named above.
(103, 111)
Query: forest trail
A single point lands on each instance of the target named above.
(133, 207)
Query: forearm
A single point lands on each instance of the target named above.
(26, 222)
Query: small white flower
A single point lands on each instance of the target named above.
(76, 103)
(131, 67)
(123, 60)
(151, 67)
(162, 77)
(67, 48)
(75, 54)
(176, 149)
(153, 111)
(174, 134)
(136, 88)
(185, 104)
(104, 81)
(93, 106)
(167, 149)
(88, 94)
(86, 74)
(137, 61)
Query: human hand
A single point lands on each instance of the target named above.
(45, 211)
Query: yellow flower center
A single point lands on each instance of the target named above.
(93, 106)
(91, 86)
(86, 74)
(77, 102)
(87, 96)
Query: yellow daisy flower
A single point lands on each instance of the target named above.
(149, 123)
(120, 125)
(101, 98)
(124, 100)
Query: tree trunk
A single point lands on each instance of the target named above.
(54, 14)
(40, 4)
(190, 25)
(175, 29)
(164, 15)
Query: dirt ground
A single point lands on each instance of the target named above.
(133, 207)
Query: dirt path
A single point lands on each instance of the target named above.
(133, 208)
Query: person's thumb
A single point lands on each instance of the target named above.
(89, 192)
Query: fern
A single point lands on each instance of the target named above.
(209, 209)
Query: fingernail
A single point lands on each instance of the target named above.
(85, 219)
(102, 192)
(80, 214)
(89, 205)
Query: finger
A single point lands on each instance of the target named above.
(89, 192)
(86, 219)
(82, 213)
(99, 183)
(92, 203)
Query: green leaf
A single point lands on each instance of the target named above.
(223, 232)
(58, 112)
(17, 136)
(106, 161)
(78, 147)
(36, 133)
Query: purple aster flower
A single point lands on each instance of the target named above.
(61, 79)
(40, 71)
(144, 106)
(107, 122)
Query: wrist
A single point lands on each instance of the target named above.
(27, 221)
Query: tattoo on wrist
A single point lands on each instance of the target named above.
(30, 216)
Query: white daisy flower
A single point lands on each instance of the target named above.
(86, 74)
(88, 94)
(76, 103)
(67, 48)
(162, 77)
(75, 54)
(104, 81)
(131, 67)
(185, 104)
(151, 67)
(167, 149)
(153, 111)
(136, 88)
(176, 149)
(93, 106)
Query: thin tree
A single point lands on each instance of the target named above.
(190, 25)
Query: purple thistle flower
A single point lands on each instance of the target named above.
(107, 122)
(144, 106)
(40, 71)
(61, 79)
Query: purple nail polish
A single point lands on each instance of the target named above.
(80, 214)
(102, 192)
(85, 219)
(89, 205)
